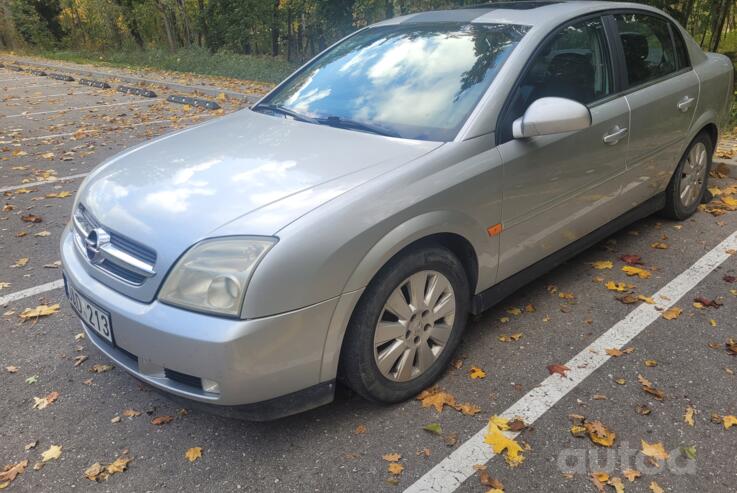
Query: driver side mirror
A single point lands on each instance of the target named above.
(547, 116)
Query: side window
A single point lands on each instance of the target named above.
(648, 49)
(573, 64)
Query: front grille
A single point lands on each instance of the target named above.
(87, 222)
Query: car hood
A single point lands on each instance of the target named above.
(245, 173)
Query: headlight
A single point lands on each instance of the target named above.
(212, 276)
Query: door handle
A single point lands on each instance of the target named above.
(615, 135)
(685, 103)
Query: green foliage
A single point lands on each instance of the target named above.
(196, 60)
(208, 35)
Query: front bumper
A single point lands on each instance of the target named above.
(252, 361)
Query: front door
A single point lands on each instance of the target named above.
(558, 188)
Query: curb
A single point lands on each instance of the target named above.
(249, 98)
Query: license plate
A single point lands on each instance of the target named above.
(94, 317)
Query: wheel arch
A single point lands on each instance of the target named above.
(456, 231)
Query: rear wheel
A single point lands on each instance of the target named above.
(406, 326)
(688, 184)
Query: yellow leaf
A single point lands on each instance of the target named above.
(655, 487)
(192, 454)
(672, 313)
(502, 443)
(599, 434)
(499, 422)
(729, 421)
(220, 97)
(614, 352)
(646, 299)
(636, 271)
(395, 468)
(119, 465)
(712, 322)
(48, 155)
(602, 264)
(44, 402)
(10, 472)
(42, 234)
(510, 337)
(659, 245)
(468, 409)
(514, 311)
(39, 311)
(58, 195)
(21, 262)
(631, 474)
(650, 363)
(436, 398)
(53, 452)
(476, 373)
(617, 484)
(392, 457)
(616, 286)
(654, 450)
(688, 417)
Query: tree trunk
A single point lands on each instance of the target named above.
(167, 24)
(185, 23)
(201, 23)
(275, 29)
(716, 33)
(686, 13)
(289, 34)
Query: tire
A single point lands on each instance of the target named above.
(688, 184)
(363, 349)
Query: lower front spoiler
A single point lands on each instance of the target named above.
(268, 410)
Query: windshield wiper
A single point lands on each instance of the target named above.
(336, 121)
(277, 108)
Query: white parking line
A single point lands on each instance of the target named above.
(32, 86)
(452, 471)
(77, 108)
(27, 293)
(19, 98)
(45, 182)
(67, 134)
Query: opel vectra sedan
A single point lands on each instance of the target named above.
(416, 172)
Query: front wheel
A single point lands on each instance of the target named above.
(688, 184)
(406, 325)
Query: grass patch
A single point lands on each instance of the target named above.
(194, 60)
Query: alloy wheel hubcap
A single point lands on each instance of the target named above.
(693, 174)
(414, 326)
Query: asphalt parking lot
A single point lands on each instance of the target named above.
(554, 332)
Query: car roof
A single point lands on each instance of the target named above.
(527, 13)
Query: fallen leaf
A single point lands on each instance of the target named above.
(654, 450)
(433, 428)
(631, 259)
(514, 311)
(21, 262)
(688, 417)
(31, 218)
(98, 368)
(510, 337)
(631, 474)
(52, 453)
(655, 487)
(602, 264)
(659, 245)
(39, 311)
(620, 287)
(559, 369)
(12, 471)
(599, 434)
(192, 454)
(468, 409)
(360, 429)
(647, 386)
(162, 420)
(98, 472)
(690, 452)
(395, 468)
(78, 360)
(42, 234)
(616, 483)
(11, 369)
(32, 379)
(614, 352)
(651, 363)
(672, 313)
(437, 398)
(636, 271)
(476, 373)
(729, 421)
(392, 457)
(44, 402)
(501, 443)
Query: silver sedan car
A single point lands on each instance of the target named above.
(416, 172)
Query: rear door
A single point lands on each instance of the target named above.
(662, 92)
(558, 188)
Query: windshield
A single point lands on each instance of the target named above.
(415, 81)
